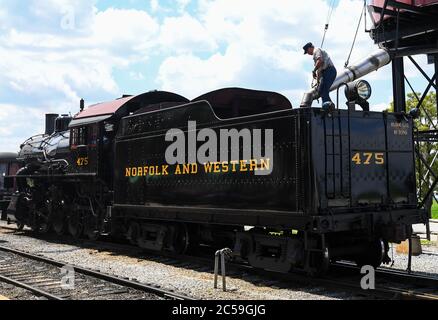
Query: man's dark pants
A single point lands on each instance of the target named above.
(327, 80)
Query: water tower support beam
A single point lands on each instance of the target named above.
(398, 82)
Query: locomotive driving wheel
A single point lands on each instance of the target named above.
(91, 227)
(58, 223)
(40, 219)
(57, 207)
(75, 223)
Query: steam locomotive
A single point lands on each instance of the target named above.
(336, 186)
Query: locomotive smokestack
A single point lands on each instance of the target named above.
(357, 70)
(50, 122)
(82, 105)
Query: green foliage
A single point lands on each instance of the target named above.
(435, 210)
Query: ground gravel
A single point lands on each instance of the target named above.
(427, 263)
(183, 280)
(196, 283)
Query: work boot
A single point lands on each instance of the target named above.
(329, 107)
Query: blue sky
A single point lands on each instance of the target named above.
(55, 52)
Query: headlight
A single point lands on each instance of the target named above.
(358, 91)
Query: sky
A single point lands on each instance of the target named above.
(55, 52)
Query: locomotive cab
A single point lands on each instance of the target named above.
(93, 130)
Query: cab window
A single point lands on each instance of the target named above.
(79, 136)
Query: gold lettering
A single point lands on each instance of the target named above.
(140, 171)
(208, 167)
(194, 168)
(234, 164)
(186, 169)
(128, 172)
(253, 165)
(178, 170)
(164, 168)
(134, 172)
(217, 168)
(243, 166)
(265, 164)
(225, 167)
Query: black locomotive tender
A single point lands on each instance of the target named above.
(342, 185)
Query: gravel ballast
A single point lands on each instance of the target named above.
(196, 284)
(183, 280)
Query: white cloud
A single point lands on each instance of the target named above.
(125, 31)
(220, 43)
(25, 119)
(262, 39)
(155, 5)
(215, 72)
(136, 75)
(47, 67)
(185, 34)
(183, 4)
(69, 65)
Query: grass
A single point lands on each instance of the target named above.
(435, 210)
(426, 243)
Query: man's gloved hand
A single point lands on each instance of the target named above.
(315, 76)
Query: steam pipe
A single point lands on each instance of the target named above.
(357, 70)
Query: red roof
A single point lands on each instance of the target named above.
(106, 108)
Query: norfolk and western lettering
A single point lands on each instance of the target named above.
(212, 152)
(193, 169)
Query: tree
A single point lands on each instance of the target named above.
(427, 122)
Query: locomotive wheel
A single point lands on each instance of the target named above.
(374, 256)
(57, 208)
(133, 233)
(58, 223)
(75, 225)
(319, 263)
(40, 223)
(181, 240)
(90, 228)
(58, 219)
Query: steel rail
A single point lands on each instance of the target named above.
(102, 276)
(30, 288)
(384, 292)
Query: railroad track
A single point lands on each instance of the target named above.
(402, 284)
(43, 277)
(391, 284)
